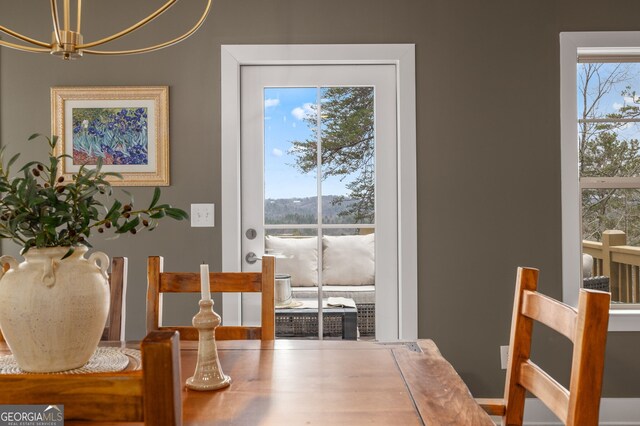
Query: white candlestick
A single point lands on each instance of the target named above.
(204, 282)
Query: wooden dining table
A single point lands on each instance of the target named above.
(305, 382)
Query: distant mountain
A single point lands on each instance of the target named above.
(305, 210)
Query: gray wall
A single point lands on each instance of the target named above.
(488, 145)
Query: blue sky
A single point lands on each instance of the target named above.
(284, 112)
(614, 100)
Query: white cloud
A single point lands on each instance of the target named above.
(303, 112)
(271, 103)
(293, 124)
(284, 118)
(298, 113)
(267, 118)
(617, 106)
(277, 152)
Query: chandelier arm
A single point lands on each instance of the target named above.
(132, 28)
(79, 16)
(56, 22)
(24, 37)
(23, 48)
(157, 46)
(67, 15)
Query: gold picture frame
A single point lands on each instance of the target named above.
(126, 126)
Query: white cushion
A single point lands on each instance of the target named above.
(348, 260)
(300, 258)
(587, 265)
(359, 293)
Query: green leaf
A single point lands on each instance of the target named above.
(116, 174)
(12, 160)
(33, 136)
(128, 226)
(157, 215)
(27, 167)
(176, 213)
(114, 208)
(156, 197)
(68, 253)
(130, 195)
(88, 194)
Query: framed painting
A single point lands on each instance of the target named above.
(126, 127)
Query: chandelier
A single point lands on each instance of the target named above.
(68, 44)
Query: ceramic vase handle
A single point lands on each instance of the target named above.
(104, 262)
(6, 259)
(48, 274)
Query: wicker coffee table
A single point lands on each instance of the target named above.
(303, 321)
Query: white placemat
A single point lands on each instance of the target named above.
(104, 360)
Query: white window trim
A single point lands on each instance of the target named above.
(400, 55)
(623, 44)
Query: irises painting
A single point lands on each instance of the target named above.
(126, 129)
(117, 135)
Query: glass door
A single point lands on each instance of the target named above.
(318, 162)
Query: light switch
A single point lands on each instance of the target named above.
(203, 215)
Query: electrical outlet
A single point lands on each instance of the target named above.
(203, 215)
(504, 356)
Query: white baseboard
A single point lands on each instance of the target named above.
(613, 412)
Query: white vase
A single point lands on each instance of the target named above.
(53, 311)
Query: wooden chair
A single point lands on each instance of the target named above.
(586, 327)
(159, 282)
(114, 329)
(152, 395)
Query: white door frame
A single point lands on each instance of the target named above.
(400, 55)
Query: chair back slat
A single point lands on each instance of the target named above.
(189, 282)
(160, 282)
(587, 367)
(115, 327)
(586, 328)
(549, 391)
(112, 397)
(519, 347)
(228, 332)
(550, 312)
(155, 264)
(268, 317)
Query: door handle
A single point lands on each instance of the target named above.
(251, 258)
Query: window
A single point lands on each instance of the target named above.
(600, 104)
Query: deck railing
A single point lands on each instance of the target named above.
(621, 263)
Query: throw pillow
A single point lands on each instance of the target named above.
(348, 260)
(300, 258)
